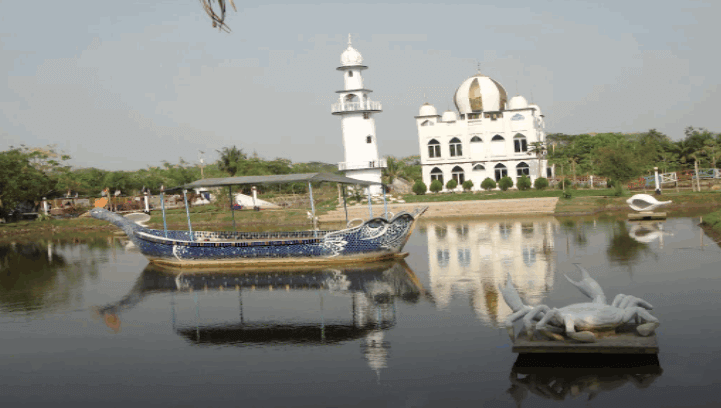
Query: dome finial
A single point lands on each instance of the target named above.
(478, 67)
(348, 39)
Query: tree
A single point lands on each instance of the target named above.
(451, 184)
(232, 160)
(488, 184)
(524, 183)
(505, 183)
(20, 181)
(619, 165)
(218, 17)
(419, 188)
(467, 185)
(436, 186)
(393, 169)
(540, 183)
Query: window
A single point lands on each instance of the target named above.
(472, 116)
(351, 98)
(519, 143)
(476, 139)
(497, 138)
(549, 172)
(427, 123)
(350, 74)
(366, 115)
(464, 257)
(434, 148)
(436, 174)
(478, 167)
(505, 230)
(523, 170)
(455, 146)
(493, 116)
(517, 116)
(458, 174)
(369, 139)
(501, 171)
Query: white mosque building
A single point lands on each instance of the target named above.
(490, 136)
(357, 123)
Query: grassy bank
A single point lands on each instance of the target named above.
(681, 202)
(713, 221)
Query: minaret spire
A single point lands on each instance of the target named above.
(349, 44)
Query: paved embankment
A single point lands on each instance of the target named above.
(545, 205)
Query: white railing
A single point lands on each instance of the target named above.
(356, 106)
(668, 177)
(372, 164)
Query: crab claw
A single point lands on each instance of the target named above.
(588, 286)
(510, 295)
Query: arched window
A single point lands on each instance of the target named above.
(436, 174)
(350, 74)
(476, 139)
(497, 138)
(522, 169)
(458, 174)
(427, 123)
(501, 171)
(369, 139)
(351, 98)
(455, 146)
(505, 230)
(519, 143)
(478, 167)
(434, 149)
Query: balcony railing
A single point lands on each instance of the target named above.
(356, 106)
(362, 165)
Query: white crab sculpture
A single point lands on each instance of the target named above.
(579, 321)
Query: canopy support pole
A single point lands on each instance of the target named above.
(162, 206)
(345, 206)
(385, 203)
(187, 213)
(312, 208)
(370, 204)
(232, 209)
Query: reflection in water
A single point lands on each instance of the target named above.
(646, 232)
(33, 276)
(623, 249)
(475, 256)
(556, 376)
(371, 289)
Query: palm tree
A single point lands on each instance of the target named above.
(218, 17)
(232, 160)
(539, 149)
(393, 169)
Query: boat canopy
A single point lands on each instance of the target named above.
(276, 179)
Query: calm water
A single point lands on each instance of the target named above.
(91, 322)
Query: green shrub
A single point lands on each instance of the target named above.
(567, 195)
(564, 182)
(524, 183)
(452, 184)
(488, 184)
(505, 183)
(540, 183)
(467, 185)
(420, 187)
(436, 186)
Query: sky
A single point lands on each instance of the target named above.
(124, 85)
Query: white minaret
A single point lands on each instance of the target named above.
(359, 128)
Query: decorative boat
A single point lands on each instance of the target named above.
(645, 202)
(377, 238)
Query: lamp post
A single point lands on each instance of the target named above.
(655, 179)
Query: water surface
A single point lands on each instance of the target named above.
(90, 322)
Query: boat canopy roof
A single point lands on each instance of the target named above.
(276, 179)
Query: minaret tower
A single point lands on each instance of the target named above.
(356, 111)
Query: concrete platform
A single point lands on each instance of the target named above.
(624, 342)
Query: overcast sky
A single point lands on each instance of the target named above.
(128, 84)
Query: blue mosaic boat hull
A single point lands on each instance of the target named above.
(376, 238)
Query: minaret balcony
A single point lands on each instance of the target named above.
(367, 106)
(361, 165)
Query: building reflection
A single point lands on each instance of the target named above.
(475, 257)
(556, 376)
(371, 291)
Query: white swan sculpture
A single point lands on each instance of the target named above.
(645, 202)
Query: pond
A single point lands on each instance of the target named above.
(89, 321)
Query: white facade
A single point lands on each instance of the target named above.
(489, 137)
(357, 123)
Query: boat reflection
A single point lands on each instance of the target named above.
(558, 376)
(371, 291)
(475, 256)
